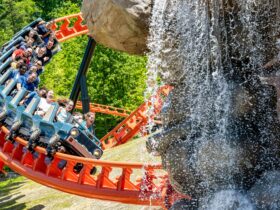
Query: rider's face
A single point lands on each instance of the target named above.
(69, 106)
(90, 119)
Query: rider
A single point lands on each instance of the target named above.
(45, 104)
(64, 114)
(29, 82)
(88, 123)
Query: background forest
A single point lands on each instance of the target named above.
(114, 78)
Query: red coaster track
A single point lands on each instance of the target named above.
(131, 125)
(69, 27)
(105, 109)
(115, 181)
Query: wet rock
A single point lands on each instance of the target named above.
(211, 52)
(199, 168)
(119, 24)
(228, 200)
(266, 192)
(176, 162)
(243, 101)
(184, 204)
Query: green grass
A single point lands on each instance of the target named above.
(11, 184)
(9, 193)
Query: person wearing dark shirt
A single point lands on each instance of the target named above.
(34, 35)
(40, 54)
(44, 31)
(40, 67)
(49, 47)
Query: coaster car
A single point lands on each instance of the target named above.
(42, 128)
(4, 91)
(76, 141)
(12, 111)
(21, 118)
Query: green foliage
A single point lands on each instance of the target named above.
(114, 78)
(65, 8)
(14, 14)
(9, 183)
(47, 6)
(52, 9)
(60, 73)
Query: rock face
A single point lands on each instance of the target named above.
(119, 24)
(220, 127)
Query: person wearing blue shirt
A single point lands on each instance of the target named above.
(29, 83)
(35, 70)
(28, 43)
(16, 73)
(44, 31)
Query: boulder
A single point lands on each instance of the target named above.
(119, 24)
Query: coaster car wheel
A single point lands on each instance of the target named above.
(35, 135)
(9, 137)
(30, 146)
(16, 126)
(97, 153)
(3, 115)
(50, 152)
(54, 139)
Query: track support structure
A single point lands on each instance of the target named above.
(80, 84)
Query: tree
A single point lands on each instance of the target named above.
(15, 14)
(114, 78)
(49, 8)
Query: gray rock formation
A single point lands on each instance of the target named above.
(220, 127)
(119, 24)
(266, 191)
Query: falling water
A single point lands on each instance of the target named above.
(212, 53)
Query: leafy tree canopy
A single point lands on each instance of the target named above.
(114, 78)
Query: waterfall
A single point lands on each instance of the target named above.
(212, 53)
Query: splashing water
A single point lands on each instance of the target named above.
(212, 53)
